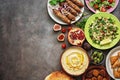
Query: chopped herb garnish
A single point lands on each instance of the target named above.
(55, 2)
(82, 23)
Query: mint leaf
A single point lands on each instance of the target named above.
(112, 5)
(106, 3)
(91, 3)
(98, 1)
(53, 2)
(82, 23)
(61, 0)
(100, 5)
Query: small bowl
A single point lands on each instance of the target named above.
(98, 68)
(67, 52)
(101, 62)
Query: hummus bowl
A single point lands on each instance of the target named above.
(74, 61)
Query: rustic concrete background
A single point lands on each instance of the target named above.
(28, 46)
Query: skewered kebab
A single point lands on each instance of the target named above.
(61, 16)
(67, 13)
(68, 8)
(78, 3)
(74, 6)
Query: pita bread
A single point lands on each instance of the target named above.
(116, 73)
(58, 75)
(113, 59)
(116, 64)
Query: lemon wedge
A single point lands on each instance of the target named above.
(105, 41)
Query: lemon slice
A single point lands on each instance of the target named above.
(105, 41)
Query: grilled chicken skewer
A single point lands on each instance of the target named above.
(61, 16)
(78, 3)
(74, 6)
(68, 8)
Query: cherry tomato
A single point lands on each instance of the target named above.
(103, 9)
(102, 0)
(63, 30)
(69, 28)
(63, 45)
(96, 6)
(110, 1)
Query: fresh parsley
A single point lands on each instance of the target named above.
(55, 2)
(82, 23)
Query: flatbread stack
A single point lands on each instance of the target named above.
(115, 63)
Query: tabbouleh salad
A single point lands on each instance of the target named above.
(102, 30)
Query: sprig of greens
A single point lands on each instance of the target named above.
(55, 2)
(82, 23)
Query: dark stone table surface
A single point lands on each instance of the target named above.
(29, 49)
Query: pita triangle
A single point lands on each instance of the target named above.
(113, 59)
(116, 64)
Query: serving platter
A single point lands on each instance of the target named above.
(56, 19)
(87, 28)
(109, 10)
(113, 52)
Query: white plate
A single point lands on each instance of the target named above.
(113, 52)
(56, 19)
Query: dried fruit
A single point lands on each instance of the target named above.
(63, 46)
(86, 46)
(61, 37)
(57, 27)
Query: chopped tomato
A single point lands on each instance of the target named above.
(102, 0)
(110, 1)
(96, 6)
(108, 7)
(103, 9)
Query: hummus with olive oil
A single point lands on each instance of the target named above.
(75, 61)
